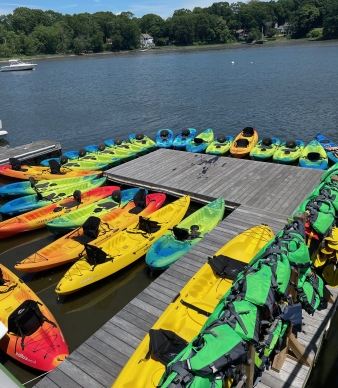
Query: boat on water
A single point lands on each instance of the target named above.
(2, 133)
(18, 65)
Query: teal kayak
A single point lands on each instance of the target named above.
(288, 152)
(175, 243)
(201, 141)
(314, 156)
(98, 209)
(220, 146)
(265, 149)
(143, 141)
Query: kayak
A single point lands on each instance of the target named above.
(184, 138)
(42, 173)
(71, 246)
(164, 138)
(34, 338)
(110, 255)
(176, 242)
(330, 147)
(143, 140)
(204, 291)
(288, 152)
(101, 150)
(19, 189)
(220, 146)
(201, 141)
(69, 154)
(136, 148)
(264, 149)
(38, 218)
(244, 142)
(36, 201)
(333, 170)
(78, 217)
(314, 156)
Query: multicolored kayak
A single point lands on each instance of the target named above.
(201, 141)
(288, 152)
(244, 142)
(116, 152)
(36, 201)
(38, 218)
(265, 149)
(184, 138)
(330, 147)
(176, 242)
(220, 146)
(19, 189)
(111, 255)
(34, 338)
(314, 156)
(143, 140)
(77, 218)
(164, 138)
(71, 246)
(188, 312)
(136, 148)
(16, 170)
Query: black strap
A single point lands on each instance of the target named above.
(195, 308)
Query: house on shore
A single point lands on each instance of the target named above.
(146, 40)
(284, 29)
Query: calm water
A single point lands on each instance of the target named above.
(286, 91)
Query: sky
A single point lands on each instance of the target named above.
(164, 8)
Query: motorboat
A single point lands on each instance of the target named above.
(17, 64)
(2, 133)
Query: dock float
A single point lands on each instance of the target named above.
(259, 193)
(34, 151)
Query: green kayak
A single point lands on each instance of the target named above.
(143, 141)
(86, 164)
(102, 150)
(265, 149)
(314, 156)
(220, 146)
(175, 243)
(119, 144)
(288, 152)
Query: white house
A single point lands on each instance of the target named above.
(285, 29)
(146, 40)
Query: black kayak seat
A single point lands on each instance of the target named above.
(164, 133)
(55, 167)
(242, 143)
(90, 230)
(267, 141)
(198, 140)
(225, 266)
(221, 138)
(16, 164)
(264, 148)
(288, 150)
(95, 255)
(148, 226)
(313, 156)
(105, 206)
(185, 132)
(248, 132)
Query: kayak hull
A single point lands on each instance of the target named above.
(263, 153)
(201, 141)
(184, 138)
(285, 155)
(244, 142)
(220, 148)
(164, 138)
(314, 156)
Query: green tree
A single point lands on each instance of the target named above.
(182, 27)
(47, 38)
(152, 24)
(330, 19)
(78, 45)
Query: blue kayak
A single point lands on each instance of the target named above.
(201, 141)
(184, 138)
(329, 146)
(28, 203)
(313, 156)
(72, 155)
(176, 242)
(164, 138)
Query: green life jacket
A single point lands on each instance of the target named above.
(330, 191)
(310, 290)
(321, 223)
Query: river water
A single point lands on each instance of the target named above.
(285, 91)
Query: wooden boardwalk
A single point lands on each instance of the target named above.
(37, 150)
(265, 193)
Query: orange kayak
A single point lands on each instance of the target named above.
(39, 172)
(34, 338)
(69, 248)
(244, 142)
(38, 218)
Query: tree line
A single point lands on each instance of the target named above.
(33, 32)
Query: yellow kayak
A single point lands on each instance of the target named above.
(109, 256)
(203, 291)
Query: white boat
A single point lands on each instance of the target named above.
(17, 64)
(2, 133)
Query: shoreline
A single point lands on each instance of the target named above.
(192, 48)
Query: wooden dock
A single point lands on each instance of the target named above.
(260, 193)
(34, 151)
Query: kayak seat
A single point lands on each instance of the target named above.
(194, 233)
(51, 196)
(242, 143)
(16, 164)
(106, 206)
(165, 345)
(221, 138)
(26, 319)
(136, 210)
(148, 226)
(198, 140)
(90, 230)
(164, 133)
(267, 141)
(185, 132)
(95, 255)
(248, 132)
(288, 150)
(313, 156)
(55, 167)
(2, 280)
(226, 267)
(181, 233)
(140, 199)
(69, 205)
